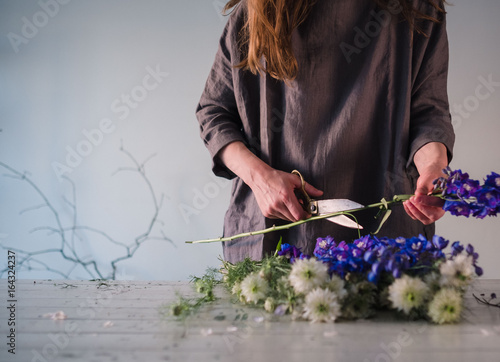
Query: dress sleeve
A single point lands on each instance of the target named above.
(430, 119)
(217, 111)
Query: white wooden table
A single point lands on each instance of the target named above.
(120, 321)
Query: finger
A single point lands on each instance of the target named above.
(430, 206)
(295, 209)
(273, 207)
(277, 214)
(426, 214)
(408, 210)
(417, 214)
(312, 191)
(286, 207)
(288, 211)
(429, 201)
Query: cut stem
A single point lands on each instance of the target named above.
(383, 204)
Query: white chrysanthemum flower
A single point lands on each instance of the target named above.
(253, 288)
(307, 274)
(270, 305)
(407, 293)
(337, 285)
(457, 272)
(321, 305)
(446, 306)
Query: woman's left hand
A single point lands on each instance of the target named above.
(430, 161)
(422, 207)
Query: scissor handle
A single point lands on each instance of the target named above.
(305, 196)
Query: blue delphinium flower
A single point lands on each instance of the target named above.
(471, 252)
(439, 242)
(465, 196)
(493, 180)
(489, 200)
(468, 188)
(291, 252)
(323, 245)
(457, 208)
(371, 256)
(456, 248)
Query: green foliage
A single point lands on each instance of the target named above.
(359, 301)
(204, 285)
(235, 273)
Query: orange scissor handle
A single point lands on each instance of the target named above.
(303, 196)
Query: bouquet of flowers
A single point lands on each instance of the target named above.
(414, 276)
(352, 280)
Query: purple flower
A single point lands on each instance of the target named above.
(456, 248)
(469, 249)
(291, 252)
(465, 196)
(356, 252)
(364, 243)
(371, 258)
(480, 211)
(454, 182)
(415, 244)
(478, 270)
(323, 245)
(493, 180)
(438, 254)
(457, 208)
(396, 273)
(488, 196)
(439, 242)
(374, 274)
(468, 188)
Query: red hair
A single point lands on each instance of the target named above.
(268, 31)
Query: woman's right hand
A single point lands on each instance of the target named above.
(275, 194)
(274, 190)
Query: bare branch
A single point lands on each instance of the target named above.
(67, 249)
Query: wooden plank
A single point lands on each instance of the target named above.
(121, 322)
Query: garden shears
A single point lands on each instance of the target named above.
(330, 206)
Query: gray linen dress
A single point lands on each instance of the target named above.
(367, 96)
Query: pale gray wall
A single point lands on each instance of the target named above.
(66, 77)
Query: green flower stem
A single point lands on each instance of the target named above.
(384, 205)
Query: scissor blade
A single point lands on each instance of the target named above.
(337, 205)
(345, 221)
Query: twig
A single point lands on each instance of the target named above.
(67, 248)
(486, 302)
